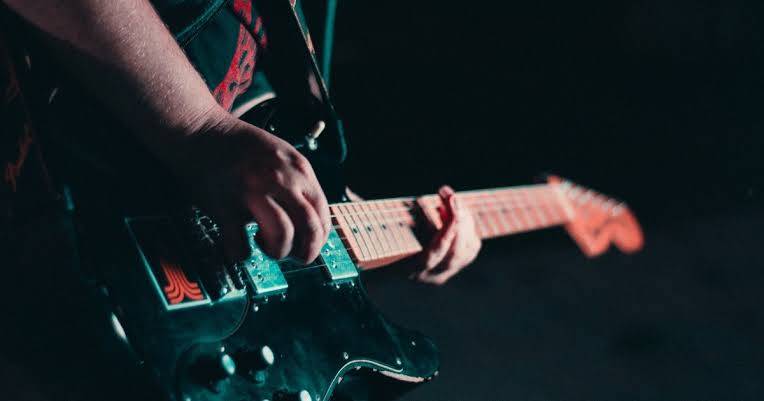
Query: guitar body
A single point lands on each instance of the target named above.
(202, 330)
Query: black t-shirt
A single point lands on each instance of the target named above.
(223, 39)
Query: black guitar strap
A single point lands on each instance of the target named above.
(292, 70)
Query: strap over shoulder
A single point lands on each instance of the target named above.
(186, 17)
(293, 71)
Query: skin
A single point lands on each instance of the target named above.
(122, 51)
(453, 247)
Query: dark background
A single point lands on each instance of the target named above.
(658, 103)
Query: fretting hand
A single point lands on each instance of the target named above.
(454, 246)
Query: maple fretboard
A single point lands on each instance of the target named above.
(379, 232)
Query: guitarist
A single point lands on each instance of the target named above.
(183, 104)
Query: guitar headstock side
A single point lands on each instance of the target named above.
(596, 221)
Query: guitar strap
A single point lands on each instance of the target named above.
(292, 70)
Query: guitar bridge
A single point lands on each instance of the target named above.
(264, 273)
(337, 262)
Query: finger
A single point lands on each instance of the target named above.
(235, 242)
(352, 196)
(463, 251)
(443, 241)
(448, 198)
(452, 264)
(446, 192)
(309, 231)
(276, 232)
(318, 199)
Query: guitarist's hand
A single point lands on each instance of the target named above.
(454, 246)
(240, 173)
(122, 51)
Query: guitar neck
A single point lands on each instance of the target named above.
(383, 231)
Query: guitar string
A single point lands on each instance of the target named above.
(387, 220)
(543, 208)
(404, 243)
(406, 209)
(471, 201)
(353, 259)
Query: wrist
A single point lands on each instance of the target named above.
(185, 143)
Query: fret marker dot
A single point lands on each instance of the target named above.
(355, 230)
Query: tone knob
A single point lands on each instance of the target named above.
(303, 395)
(214, 368)
(254, 363)
(265, 356)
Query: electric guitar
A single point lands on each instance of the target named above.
(203, 329)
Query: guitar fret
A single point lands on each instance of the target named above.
(358, 231)
(497, 213)
(527, 208)
(535, 209)
(481, 225)
(364, 225)
(518, 212)
(508, 211)
(489, 215)
(338, 219)
(393, 227)
(392, 242)
(550, 211)
(351, 234)
(406, 225)
(408, 229)
(367, 230)
(510, 203)
(376, 230)
(517, 224)
(477, 207)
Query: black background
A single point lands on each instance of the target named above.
(658, 103)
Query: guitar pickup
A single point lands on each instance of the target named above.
(337, 262)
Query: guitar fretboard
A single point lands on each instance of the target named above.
(379, 232)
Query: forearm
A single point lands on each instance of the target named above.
(237, 172)
(123, 52)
